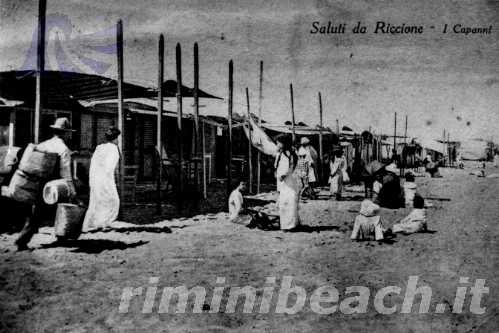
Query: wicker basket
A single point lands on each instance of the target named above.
(68, 220)
(37, 163)
(56, 191)
(24, 188)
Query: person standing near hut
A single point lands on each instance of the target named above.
(104, 202)
(312, 157)
(336, 167)
(62, 133)
(287, 184)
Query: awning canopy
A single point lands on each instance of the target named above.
(59, 87)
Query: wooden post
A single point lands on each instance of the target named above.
(205, 194)
(196, 116)
(394, 153)
(443, 145)
(159, 139)
(260, 101)
(449, 149)
(40, 67)
(338, 128)
(12, 127)
(292, 113)
(121, 118)
(405, 143)
(250, 145)
(321, 152)
(178, 56)
(229, 120)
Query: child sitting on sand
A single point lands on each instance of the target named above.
(368, 224)
(415, 221)
(409, 189)
(236, 202)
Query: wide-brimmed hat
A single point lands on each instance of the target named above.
(304, 140)
(392, 167)
(62, 124)
(373, 167)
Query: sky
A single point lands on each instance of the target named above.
(440, 81)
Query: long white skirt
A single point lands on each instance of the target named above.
(288, 203)
(104, 202)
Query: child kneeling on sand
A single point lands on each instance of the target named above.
(415, 221)
(368, 224)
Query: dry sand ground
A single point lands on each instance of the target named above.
(77, 288)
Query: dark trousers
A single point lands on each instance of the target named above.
(32, 224)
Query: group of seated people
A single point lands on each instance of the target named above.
(368, 224)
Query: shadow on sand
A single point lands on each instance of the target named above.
(93, 246)
(139, 228)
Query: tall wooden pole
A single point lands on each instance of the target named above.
(394, 153)
(178, 56)
(250, 145)
(260, 101)
(196, 116)
(205, 194)
(196, 101)
(448, 148)
(405, 148)
(40, 67)
(321, 152)
(12, 127)
(443, 145)
(338, 128)
(159, 140)
(229, 120)
(121, 118)
(292, 113)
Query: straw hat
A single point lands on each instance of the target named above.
(392, 168)
(304, 141)
(62, 124)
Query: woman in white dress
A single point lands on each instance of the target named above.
(288, 184)
(104, 202)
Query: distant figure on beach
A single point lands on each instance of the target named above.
(305, 172)
(336, 167)
(415, 221)
(431, 167)
(459, 161)
(368, 225)
(104, 202)
(312, 158)
(391, 194)
(287, 183)
(236, 202)
(409, 189)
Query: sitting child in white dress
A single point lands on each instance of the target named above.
(236, 202)
(415, 221)
(368, 224)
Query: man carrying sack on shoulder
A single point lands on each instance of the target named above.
(56, 145)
